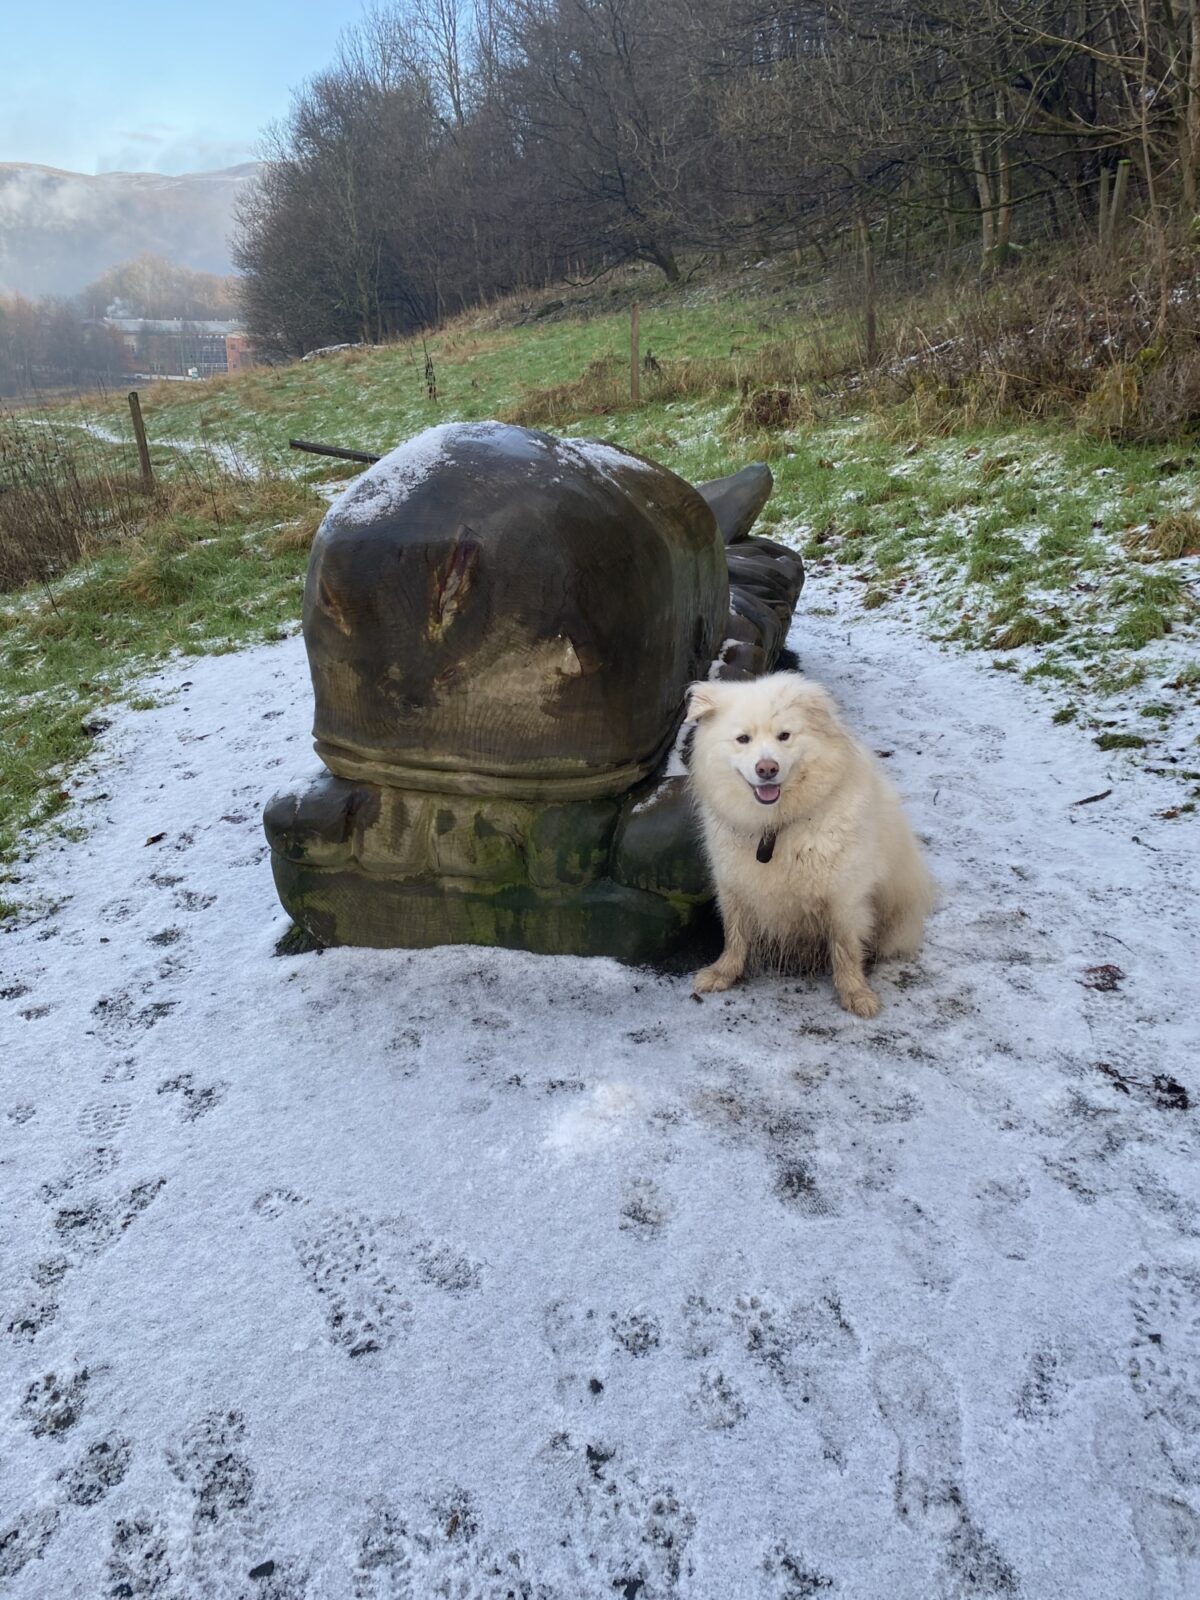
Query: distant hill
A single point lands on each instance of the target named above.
(61, 230)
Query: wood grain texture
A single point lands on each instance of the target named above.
(521, 619)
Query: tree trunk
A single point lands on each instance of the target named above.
(870, 326)
(1002, 233)
(983, 183)
(1191, 153)
(664, 260)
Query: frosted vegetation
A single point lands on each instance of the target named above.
(1069, 559)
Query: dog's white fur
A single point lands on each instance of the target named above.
(846, 880)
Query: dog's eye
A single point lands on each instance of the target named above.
(784, 737)
(743, 738)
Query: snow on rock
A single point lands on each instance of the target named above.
(471, 1273)
(382, 489)
(609, 460)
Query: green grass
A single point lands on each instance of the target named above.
(188, 584)
(1140, 625)
(1024, 628)
(372, 399)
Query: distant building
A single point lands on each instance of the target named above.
(239, 352)
(177, 348)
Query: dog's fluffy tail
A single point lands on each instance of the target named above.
(908, 894)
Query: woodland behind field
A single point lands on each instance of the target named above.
(455, 152)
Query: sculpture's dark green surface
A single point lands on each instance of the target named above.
(501, 627)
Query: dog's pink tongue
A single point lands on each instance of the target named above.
(768, 793)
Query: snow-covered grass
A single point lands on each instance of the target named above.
(212, 566)
(1034, 545)
(1031, 546)
(468, 1273)
(1067, 559)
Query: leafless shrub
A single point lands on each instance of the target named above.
(1070, 343)
(66, 494)
(61, 494)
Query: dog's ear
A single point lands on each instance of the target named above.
(818, 707)
(701, 701)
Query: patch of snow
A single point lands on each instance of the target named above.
(466, 1271)
(383, 488)
(608, 459)
(676, 767)
(609, 1108)
(227, 456)
(335, 349)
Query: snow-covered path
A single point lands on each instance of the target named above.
(475, 1274)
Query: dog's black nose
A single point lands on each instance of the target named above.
(767, 769)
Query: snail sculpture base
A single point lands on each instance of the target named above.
(361, 863)
(565, 829)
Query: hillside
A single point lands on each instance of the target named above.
(1067, 556)
(1055, 554)
(61, 230)
(363, 1274)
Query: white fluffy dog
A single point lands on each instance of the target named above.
(811, 855)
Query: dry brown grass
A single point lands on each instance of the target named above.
(296, 535)
(65, 497)
(463, 343)
(1078, 339)
(61, 493)
(782, 372)
(153, 578)
(1168, 539)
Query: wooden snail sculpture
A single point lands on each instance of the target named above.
(501, 627)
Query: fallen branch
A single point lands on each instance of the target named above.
(332, 450)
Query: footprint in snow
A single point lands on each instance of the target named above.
(103, 1118)
(808, 1350)
(357, 1266)
(1129, 1453)
(626, 1536)
(93, 1224)
(193, 1100)
(102, 1466)
(26, 1539)
(916, 1399)
(438, 1549)
(52, 1406)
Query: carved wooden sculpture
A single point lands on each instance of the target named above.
(500, 628)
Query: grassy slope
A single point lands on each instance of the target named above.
(207, 572)
(1012, 541)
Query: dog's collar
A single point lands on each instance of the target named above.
(766, 846)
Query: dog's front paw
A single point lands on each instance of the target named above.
(862, 1002)
(711, 980)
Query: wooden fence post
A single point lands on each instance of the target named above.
(1117, 204)
(635, 355)
(139, 429)
(870, 329)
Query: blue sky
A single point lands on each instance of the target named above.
(157, 87)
